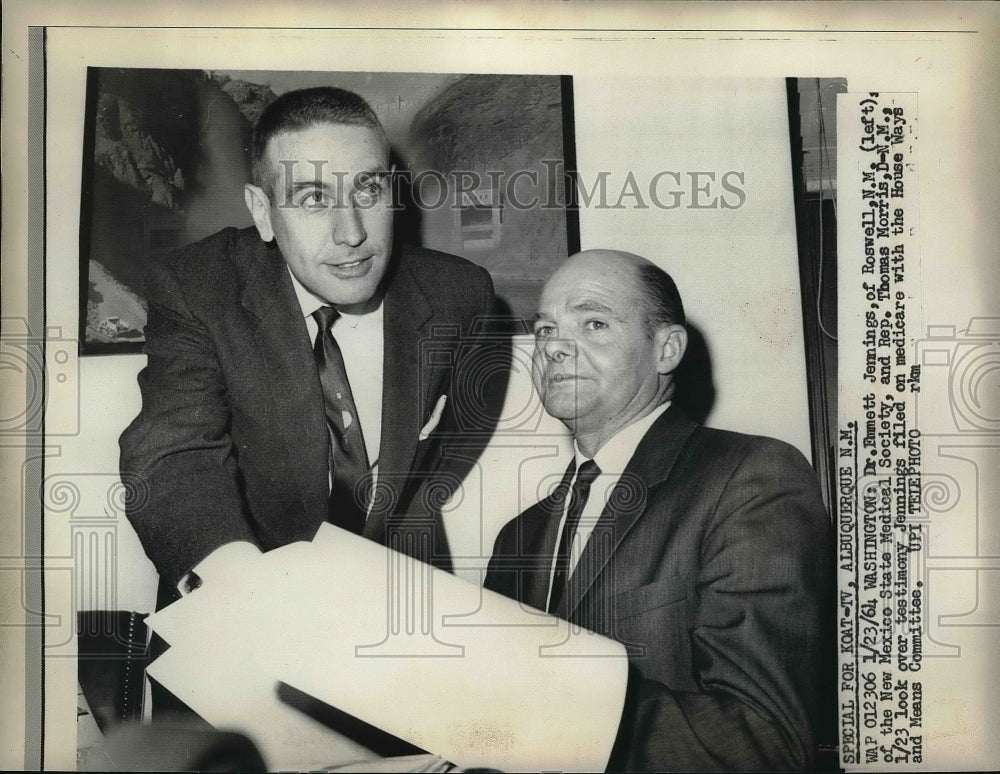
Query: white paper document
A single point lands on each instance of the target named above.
(454, 669)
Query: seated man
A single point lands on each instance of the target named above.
(706, 553)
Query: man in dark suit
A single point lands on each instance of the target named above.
(292, 364)
(706, 553)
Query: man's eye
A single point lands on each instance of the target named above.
(543, 331)
(369, 193)
(313, 200)
(595, 325)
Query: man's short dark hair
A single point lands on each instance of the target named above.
(303, 108)
(660, 297)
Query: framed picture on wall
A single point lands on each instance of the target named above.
(482, 169)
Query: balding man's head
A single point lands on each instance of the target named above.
(654, 288)
(609, 335)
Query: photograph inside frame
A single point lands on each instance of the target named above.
(730, 185)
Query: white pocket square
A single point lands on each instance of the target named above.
(432, 423)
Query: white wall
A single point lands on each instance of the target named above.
(84, 498)
(736, 269)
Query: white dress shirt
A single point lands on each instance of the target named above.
(611, 458)
(362, 343)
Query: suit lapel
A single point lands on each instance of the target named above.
(651, 464)
(299, 422)
(542, 530)
(406, 314)
(521, 566)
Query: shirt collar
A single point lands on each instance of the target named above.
(309, 302)
(616, 452)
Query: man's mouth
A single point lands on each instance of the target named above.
(351, 268)
(562, 377)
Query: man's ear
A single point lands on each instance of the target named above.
(260, 210)
(671, 343)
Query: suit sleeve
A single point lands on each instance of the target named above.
(463, 296)
(476, 376)
(760, 634)
(176, 456)
(475, 383)
(479, 378)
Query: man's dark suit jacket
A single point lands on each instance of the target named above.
(712, 565)
(232, 441)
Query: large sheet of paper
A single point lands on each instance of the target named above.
(397, 644)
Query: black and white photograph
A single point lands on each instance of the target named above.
(582, 394)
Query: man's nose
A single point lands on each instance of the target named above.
(348, 226)
(559, 348)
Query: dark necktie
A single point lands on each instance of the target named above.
(578, 500)
(348, 458)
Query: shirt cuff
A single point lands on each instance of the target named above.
(225, 559)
